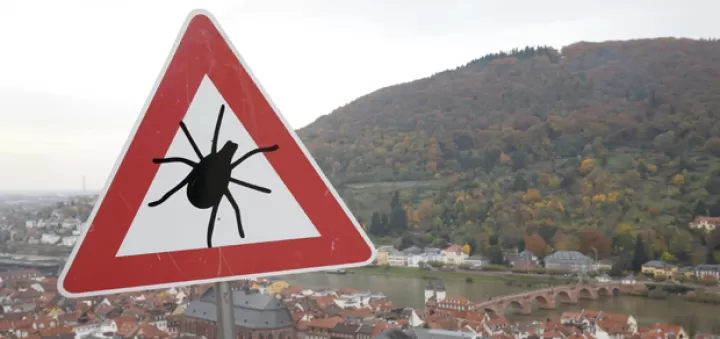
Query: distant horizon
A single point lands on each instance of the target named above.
(45, 192)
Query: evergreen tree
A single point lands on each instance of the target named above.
(495, 255)
(521, 245)
(375, 226)
(398, 217)
(641, 255)
(384, 224)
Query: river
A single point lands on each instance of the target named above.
(409, 291)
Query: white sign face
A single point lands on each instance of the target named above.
(177, 225)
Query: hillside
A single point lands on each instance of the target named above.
(588, 147)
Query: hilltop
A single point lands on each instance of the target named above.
(587, 147)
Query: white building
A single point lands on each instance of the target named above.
(398, 259)
(49, 238)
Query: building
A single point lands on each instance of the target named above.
(435, 290)
(629, 280)
(351, 331)
(454, 255)
(571, 261)
(257, 316)
(398, 259)
(657, 268)
(523, 260)
(708, 271)
(381, 258)
(477, 260)
(705, 224)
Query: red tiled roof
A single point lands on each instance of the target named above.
(326, 323)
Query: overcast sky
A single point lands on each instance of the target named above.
(75, 74)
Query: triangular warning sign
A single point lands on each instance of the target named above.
(212, 185)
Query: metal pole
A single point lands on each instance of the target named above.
(225, 311)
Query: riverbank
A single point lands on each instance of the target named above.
(467, 276)
(407, 289)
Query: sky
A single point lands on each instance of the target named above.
(74, 75)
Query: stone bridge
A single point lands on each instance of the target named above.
(548, 298)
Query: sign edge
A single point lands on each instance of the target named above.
(123, 153)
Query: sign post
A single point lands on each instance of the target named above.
(212, 185)
(225, 310)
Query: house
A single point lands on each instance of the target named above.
(423, 258)
(454, 255)
(69, 240)
(629, 280)
(523, 260)
(705, 224)
(604, 279)
(708, 271)
(668, 331)
(571, 261)
(381, 258)
(49, 238)
(658, 268)
(397, 259)
(477, 261)
(351, 331)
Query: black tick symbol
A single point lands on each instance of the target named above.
(209, 179)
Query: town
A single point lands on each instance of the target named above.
(268, 309)
(32, 309)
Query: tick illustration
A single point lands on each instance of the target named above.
(209, 180)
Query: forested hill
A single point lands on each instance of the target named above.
(620, 138)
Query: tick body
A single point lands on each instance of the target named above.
(208, 181)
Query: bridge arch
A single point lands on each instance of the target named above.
(541, 300)
(568, 296)
(587, 293)
(490, 311)
(607, 291)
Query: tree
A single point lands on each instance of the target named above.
(467, 249)
(532, 196)
(535, 244)
(376, 226)
(620, 266)
(495, 255)
(587, 166)
(668, 257)
(641, 254)
(593, 243)
(398, 216)
(681, 244)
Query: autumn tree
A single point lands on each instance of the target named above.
(535, 244)
(587, 166)
(532, 196)
(593, 243)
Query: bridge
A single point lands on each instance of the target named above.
(548, 298)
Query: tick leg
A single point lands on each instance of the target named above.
(211, 225)
(234, 204)
(190, 139)
(174, 159)
(217, 129)
(250, 186)
(272, 148)
(169, 193)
